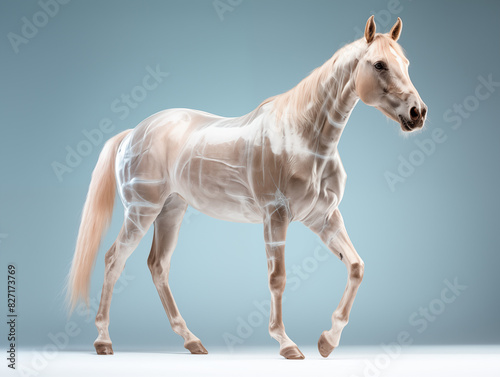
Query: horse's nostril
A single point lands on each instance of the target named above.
(424, 111)
(414, 114)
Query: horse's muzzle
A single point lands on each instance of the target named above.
(408, 125)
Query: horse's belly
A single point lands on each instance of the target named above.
(217, 188)
(224, 202)
(227, 210)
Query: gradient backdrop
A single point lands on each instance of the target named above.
(439, 222)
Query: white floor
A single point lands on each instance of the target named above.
(456, 361)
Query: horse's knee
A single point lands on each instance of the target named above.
(357, 271)
(153, 265)
(156, 267)
(277, 282)
(152, 258)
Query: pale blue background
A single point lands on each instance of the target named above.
(441, 223)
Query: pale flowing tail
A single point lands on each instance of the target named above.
(96, 217)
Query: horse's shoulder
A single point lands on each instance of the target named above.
(333, 170)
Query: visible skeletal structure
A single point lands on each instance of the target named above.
(275, 165)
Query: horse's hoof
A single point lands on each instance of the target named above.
(292, 353)
(103, 348)
(324, 346)
(196, 348)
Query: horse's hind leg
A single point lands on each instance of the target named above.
(139, 215)
(167, 227)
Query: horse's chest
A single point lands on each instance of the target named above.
(325, 191)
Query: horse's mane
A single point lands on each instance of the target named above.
(300, 105)
(295, 103)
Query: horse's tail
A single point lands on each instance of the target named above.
(97, 213)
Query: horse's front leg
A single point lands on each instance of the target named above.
(275, 227)
(335, 237)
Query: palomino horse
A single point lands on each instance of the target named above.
(275, 165)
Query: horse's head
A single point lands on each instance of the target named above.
(382, 79)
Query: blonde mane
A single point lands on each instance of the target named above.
(298, 104)
(301, 105)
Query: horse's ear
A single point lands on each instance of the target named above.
(370, 29)
(396, 29)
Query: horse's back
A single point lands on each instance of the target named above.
(163, 135)
(201, 156)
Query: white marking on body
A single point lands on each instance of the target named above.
(276, 243)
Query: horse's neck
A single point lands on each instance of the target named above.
(340, 98)
(320, 106)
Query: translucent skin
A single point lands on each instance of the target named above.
(232, 169)
(275, 165)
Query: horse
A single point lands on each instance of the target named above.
(274, 165)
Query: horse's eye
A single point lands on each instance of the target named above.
(380, 66)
